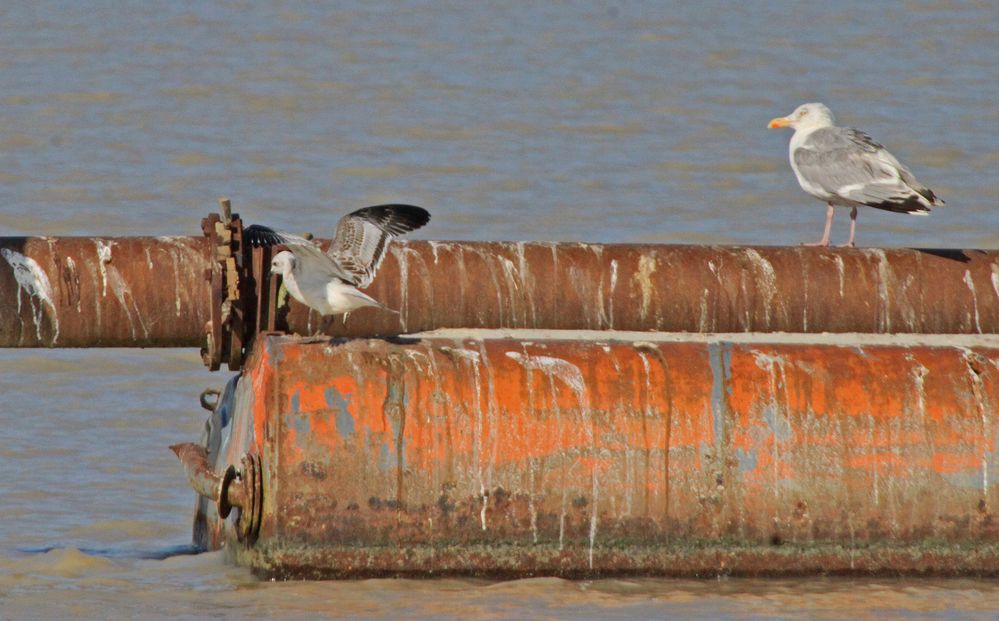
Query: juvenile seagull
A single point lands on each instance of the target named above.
(328, 281)
(844, 167)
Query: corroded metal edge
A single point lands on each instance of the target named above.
(707, 559)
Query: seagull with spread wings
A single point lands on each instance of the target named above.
(330, 281)
(844, 167)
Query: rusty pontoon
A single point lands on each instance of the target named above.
(567, 409)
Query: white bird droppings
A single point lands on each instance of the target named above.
(32, 280)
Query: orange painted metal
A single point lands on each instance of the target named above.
(516, 457)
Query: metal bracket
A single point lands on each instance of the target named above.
(241, 305)
(225, 330)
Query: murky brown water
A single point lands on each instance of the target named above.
(642, 121)
(69, 584)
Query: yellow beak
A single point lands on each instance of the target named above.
(781, 121)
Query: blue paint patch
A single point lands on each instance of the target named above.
(298, 422)
(341, 405)
(386, 458)
(397, 394)
(970, 479)
(778, 425)
(748, 460)
(303, 430)
(275, 353)
(720, 359)
(227, 402)
(396, 402)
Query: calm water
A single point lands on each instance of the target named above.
(638, 121)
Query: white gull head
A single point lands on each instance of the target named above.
(283, 263)
(806, 116)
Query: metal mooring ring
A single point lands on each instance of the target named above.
(204, 398)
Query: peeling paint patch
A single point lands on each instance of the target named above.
(778, 424)
(466, 354)
(643, 278)
(767, 282)
(720, 360)
(557, 367)
(748, 459)
(572, 376)
(341, 404)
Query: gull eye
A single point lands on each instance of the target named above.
(803, 112)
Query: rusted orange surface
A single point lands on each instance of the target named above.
(676, 288)
(98, 292)
(102, 291)
(587, 447)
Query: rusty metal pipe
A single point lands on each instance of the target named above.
(151, 291)
(676, 288)
(206, 482)
(102, 291)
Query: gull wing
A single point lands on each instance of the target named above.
(313, 264)
(260, 236)
(363, 236)
(846, 163)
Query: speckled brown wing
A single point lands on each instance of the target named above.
(363, 236)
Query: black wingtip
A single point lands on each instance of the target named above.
(930, 196)
(259, 236)
(395, 218)
(910, 205)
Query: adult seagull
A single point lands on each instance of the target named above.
(330, 281)
(844, 167)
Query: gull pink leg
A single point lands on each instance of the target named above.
(853, 228)
(825, 235)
